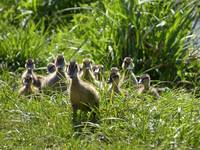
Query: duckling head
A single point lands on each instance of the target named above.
(145, 80)
(72, 69)
(97, 70)
(114, 70)
(28, 79)
(128, 63)
(60, 61)
(114, 76)
(87, 64)
(51, 68)
(30, 64)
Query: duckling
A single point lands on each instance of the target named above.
(51, 68)
(128, 74)
(37, 79)
(146, 88)
(83, 95)
(57, 79)
(87, 71)
(30, 66)
(114, 78)
(98, 71)
(27, 87)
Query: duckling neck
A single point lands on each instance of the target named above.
(88, 75)
(87, 72)
(75, 81)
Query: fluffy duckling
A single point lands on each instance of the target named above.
(83, 95)
(87, 70)
(128, 74)
(27, 87)
(51, 68)
(37, 79)
(57, 79)
(114, 79)
(146, 88)
(98, 71)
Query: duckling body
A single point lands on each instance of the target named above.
(114, 79)
(58, 79)
(128, 75)
(37, 79)
(98, 71)
(83, 95)
(27, 88)
(86, 71)
(146, 88)
(87, 76)
(151, 90)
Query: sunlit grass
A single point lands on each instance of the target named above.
(156, 34)
(133, 121)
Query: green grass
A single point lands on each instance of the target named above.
(132, 121)
(158, 35)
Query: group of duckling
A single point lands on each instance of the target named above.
(82, 81)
